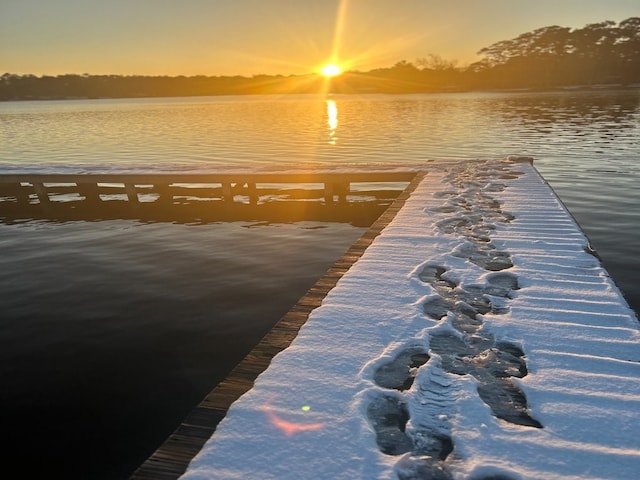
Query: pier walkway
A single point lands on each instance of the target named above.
(472, 333)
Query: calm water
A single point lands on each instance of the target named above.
(112, 331)
(106, 328)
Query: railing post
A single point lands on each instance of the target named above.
(227, 194)
(253, 194)
(165, 193)
(132, 193)
(21, 196)
(336, 188)
(89, 191)
(41, 192)
(342, 189)
(328, 192)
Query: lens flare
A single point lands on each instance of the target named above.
(287, 427)
(331, 70)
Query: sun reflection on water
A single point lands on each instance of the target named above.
(332, 121)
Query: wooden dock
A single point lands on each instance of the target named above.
(166, 188)
(475, 264)
(172, 458)
(357, 197)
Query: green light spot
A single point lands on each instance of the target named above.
(306, 408)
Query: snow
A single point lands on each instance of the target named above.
(476, 338)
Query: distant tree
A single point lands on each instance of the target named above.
(435, 62)
(627, 48)
(599, 52)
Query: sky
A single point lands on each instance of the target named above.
(250, 37)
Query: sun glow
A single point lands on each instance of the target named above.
(331, 70)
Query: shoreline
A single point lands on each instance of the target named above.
(453, 90)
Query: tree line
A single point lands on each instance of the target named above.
(549, 57)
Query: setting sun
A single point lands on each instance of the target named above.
(330, 70)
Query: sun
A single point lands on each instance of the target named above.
(331, 70)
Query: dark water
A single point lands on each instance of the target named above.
(111, 331)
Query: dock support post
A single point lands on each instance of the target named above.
(227, 195)
(165, 193)
(132, 193)
(342, 189)
(253, 193)
(41, 192)
(337, 188)
(328, 193)
(21, 197)
(89, 191)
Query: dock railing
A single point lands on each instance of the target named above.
(230, 188)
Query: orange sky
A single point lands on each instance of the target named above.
(246, 37)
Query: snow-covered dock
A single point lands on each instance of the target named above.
(477, 337)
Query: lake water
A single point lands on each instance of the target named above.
(110, 331)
